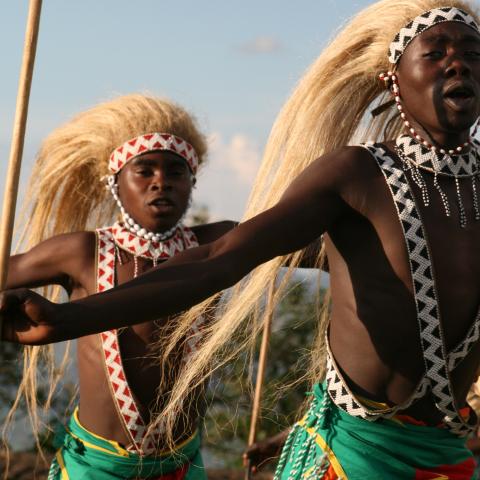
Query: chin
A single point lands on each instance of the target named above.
(460, 123)
(164, 225)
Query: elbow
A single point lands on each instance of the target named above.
(225, 265)
(225, 271)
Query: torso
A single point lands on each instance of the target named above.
(97, 410)
(373, 296)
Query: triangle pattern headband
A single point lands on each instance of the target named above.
(425, 21)
(151, 142)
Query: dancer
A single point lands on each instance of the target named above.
(399, 219)
(150, 150)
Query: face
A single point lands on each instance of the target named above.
(439, 80)
(154, 189)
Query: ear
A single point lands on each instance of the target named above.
(397, 70)
(118, 177)
(194, 181)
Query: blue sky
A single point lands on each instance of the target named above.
(233, 64)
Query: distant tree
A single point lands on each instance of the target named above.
(285, 388)
(11, 371)
(198, 214)
(10, 374)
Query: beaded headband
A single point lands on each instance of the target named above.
(151, 142)
(425, 21)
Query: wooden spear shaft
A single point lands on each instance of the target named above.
(18, 137)
(262, 364)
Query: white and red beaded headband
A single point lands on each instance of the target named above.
(151, 142)
(425, 21)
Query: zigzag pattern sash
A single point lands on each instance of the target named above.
(144, 440)
(438, 363)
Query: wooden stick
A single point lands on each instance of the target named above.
(18, 137)
(262, 364)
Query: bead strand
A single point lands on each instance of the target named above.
(135, 267)
(418, 179)
(322, 415)
(286, 451)
(463, 216)
(416, 176)
(475, 198)
(443, 195)
(300, 458)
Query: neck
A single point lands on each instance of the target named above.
(448, 140)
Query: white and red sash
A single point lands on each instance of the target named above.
(108, 239)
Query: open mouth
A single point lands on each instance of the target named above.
(459, 97)
(161, 202)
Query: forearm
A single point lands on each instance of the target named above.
(160, 293)
(188, 278)
(193, 275)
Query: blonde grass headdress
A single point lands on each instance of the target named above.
(66, 192)
(329, 108)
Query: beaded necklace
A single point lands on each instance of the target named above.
(156, 251)
(417, 158)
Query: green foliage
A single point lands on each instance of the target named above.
(10, 373)
(198, 215)
(228, 419)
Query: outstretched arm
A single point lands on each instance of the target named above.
(311, 204)
(56, 261)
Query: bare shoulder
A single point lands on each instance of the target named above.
(350, 162)
(349, 170)
(62, 260)
(209, 232)
(335, 172)
(71, 253)
(80, 244)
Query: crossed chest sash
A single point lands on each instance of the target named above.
(144, 440)
(438, 362)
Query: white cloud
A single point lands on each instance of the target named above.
(225, 182)
(262, 44)
(240, 156)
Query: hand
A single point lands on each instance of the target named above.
(27, 317)
(262, 452)
(473, 443)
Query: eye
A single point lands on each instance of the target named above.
(434, 54)
(473, 54)
(177, 171)
(144, 172)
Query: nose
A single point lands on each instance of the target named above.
(160, 182)
(457, 67)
